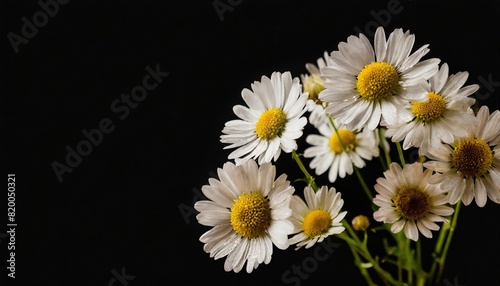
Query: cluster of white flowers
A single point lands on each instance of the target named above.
(358, 98)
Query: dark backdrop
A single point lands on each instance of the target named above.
(125, 208)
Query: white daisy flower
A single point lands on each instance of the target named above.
(313, 84)
(407, 200)
(365, 84)
(320, 63)
(328, 153)
(272, 121)
(316, 218)
(445, 113)
(469, 168)
(248, 211)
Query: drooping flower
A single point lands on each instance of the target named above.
(272, 121)
(468, 169)
(248, 210)
(444, 115)
(316, 218)
(366, 84)
(408, 201)
(339, 151)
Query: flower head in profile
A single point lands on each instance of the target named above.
(468, 168)
(248, 210)
(366, 84)
(444, 115)
(337, 151)
(313, 84)
(272, 121)
(408, 201)
(316, 218)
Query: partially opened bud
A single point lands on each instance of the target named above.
(313, 84)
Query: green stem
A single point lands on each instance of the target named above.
(351, 231)
(437, 249)
(362, 249)
(400, 153)
(309, 179)
(419, 254)
(364, 186)
(400, 237)
(409, 261)
(356, 170)
(363, 270)
(421, 274)
(442, 259)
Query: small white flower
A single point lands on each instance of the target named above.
(468, 168)
(248, 210)
(313, 84)
(272, 121)
(445, 114)
(339, 154)
(366, 84)
(408, 201)
(316, 218)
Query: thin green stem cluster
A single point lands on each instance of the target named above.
(401, 264)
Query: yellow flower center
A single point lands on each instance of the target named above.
(472, 157)
(316, 222)
(271, 124)
(430, 110)
(377, 80)
(314, 85)
(411, 203)
(251, 215)
(345, 137)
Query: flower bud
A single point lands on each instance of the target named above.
(313, 84)
(360, 223)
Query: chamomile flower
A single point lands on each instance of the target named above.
(408, 201)
(468, 169)
(313, 84)
(444, 115)
(248, 210)
(339, 151)
(272, 121)
(365, 83)
(316, 218)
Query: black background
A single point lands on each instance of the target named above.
(128, 204)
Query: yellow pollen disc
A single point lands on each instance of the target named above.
(411, 203)
(251, 215)
(429, 110)
(377, 80)
(314, 85)
(348, 139)
(316, 222)
(271, 124)
(472, 157)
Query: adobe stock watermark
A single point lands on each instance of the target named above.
(187, 211)
(485, 83)
(223, 6)
(298, 273)
(48, 10)
(122, 278)
(120, 107)
(381, 18)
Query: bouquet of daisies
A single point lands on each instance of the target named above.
(362, 99)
